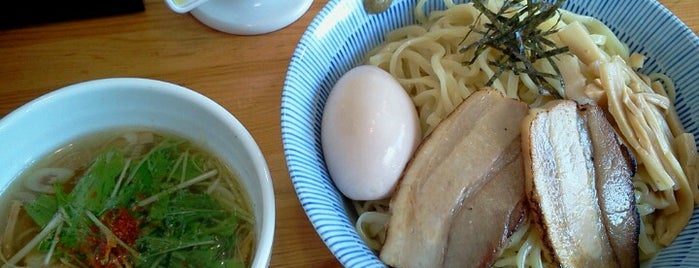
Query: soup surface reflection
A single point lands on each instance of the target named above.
(127, 198)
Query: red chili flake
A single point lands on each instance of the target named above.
(108, 253)
(124, 225)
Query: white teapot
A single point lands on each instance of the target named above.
(243, 17)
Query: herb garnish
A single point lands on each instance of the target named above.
(520, 40)
(157, 218)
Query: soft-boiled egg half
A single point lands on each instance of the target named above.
(369, 131)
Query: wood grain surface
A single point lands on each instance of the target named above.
(244, 74)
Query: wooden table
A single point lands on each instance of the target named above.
(245, 74)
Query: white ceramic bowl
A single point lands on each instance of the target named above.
(53, 120)
(338, 39)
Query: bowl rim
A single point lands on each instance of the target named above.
(261, 170)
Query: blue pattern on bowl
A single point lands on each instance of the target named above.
(340, 36)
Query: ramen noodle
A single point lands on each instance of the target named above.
(426, 58)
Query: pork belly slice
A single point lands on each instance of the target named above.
(615, 190)
(561, 187)
(486, 219)
(579, 187)
(470, 148)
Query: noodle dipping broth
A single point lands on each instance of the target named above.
(127, 198)
(129, 172)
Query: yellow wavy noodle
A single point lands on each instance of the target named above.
(426, 60)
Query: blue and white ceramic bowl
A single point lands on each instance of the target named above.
(342, 33)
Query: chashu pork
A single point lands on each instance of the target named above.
(486, 219)
(460, 167)
(578, 184)
(615, 190)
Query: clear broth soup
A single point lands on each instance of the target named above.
(127, 198)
